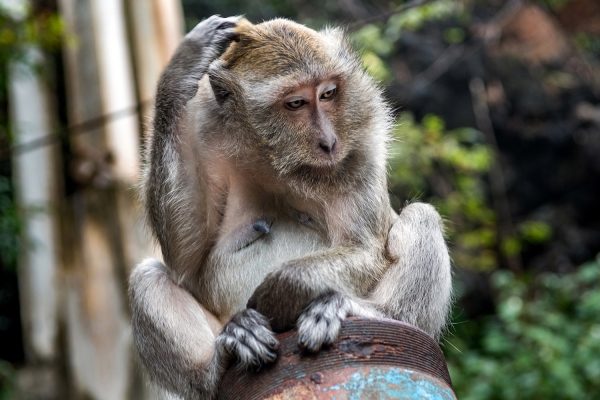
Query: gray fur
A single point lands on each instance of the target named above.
(258, 234)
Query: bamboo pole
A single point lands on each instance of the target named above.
(102, 210)
(34, 175)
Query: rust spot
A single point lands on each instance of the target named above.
(360, 347)
(317, 378)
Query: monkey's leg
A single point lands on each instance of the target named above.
(417, 287)
(177, 338)
(174, 335)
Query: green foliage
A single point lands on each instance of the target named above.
(20, 29)
(554, 4)
(377, 40)
(588, 43)
(7, 381)
(454, 35)
(413, 18)
(450, 166)
(543, 343)
(10, 225)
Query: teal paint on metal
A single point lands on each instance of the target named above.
(393, 384)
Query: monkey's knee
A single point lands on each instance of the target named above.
(422, 215)
(171, 333)
(144, 276)
(417, 287)
(418, 227)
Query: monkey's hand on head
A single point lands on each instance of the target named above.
(199, 48)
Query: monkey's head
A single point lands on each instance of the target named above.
(301, 97)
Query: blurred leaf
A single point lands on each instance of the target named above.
(535, 231)
(511, 246)
(376, 67)
(454, 35)
(537, 346)
(451, 165)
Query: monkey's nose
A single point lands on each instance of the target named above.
(328, 144)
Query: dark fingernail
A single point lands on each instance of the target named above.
(227, 24)
(233, 36)
(327, 339)
(272, 342)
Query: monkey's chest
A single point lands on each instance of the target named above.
(241, 259)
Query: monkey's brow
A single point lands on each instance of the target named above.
(310, 81)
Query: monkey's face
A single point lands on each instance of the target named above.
(300, 96)
(300, 124)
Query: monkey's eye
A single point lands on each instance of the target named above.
(295, 103)
(329, 92)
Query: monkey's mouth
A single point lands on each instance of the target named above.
(324, 168)
(318, 169)
(328, 164)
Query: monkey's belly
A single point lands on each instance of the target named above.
(235, 274)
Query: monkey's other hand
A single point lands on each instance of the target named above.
(248, 337)
(320, 323)
(214, 31)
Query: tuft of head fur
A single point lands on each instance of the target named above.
(280, 47)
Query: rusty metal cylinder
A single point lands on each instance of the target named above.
(372, 359)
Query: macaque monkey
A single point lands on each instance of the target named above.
(265, 185)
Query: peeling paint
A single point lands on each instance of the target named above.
(395, 384)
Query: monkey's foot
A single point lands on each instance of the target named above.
(320, 323)
(248, 337)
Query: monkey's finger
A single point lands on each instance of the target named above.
(229, 22)
(258, 326)
(320, 323)
(257, 348)
(242, 353)
(232, 35)
(242, 344)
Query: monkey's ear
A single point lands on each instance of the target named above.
(221, 94)
(219, 82)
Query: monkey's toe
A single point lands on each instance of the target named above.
(320, 323)
(248, 337)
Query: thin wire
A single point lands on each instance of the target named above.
(76, 129)
(385, 15)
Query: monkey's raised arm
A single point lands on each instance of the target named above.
(173, 200)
